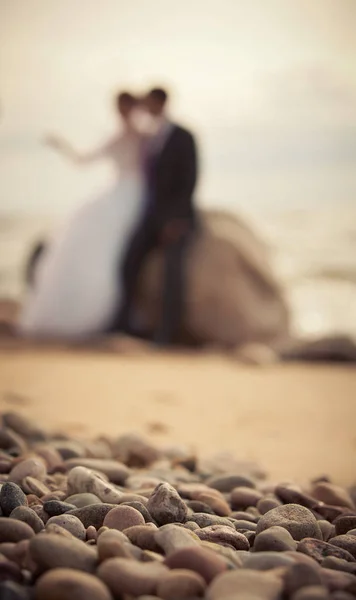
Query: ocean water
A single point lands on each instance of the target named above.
(313, 251)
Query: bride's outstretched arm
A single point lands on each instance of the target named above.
(81, 158)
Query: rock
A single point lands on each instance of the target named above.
(70, 523)
(126, 576)
(218, 505)
(91, 533)
(116, 471)
(93, 514)
(22, 426)
(339, 564)
(82, 480)
(243, 497)
(313, 592)
(27, 515)
(12, 530)
(276, 539)
(301, 575)
(55, 507)
(68, 584)
(111, 544)
(134, 451)
(141, 508)
(9, 570)
(51, 457)
(332, 494)
(261, 586)
(123, 517)
(265, 561)
(205, 520)
(166, 506)
(32, 467)
(31, 485)
(343, 596)
(69, 449)
(346, 542)
(223, 535)
(338, 580)
(143, 536)
(200, 507)
(266, 504)
(181, 583)
(81, 500)
(344, 524)
(10, 590)
(318, 550)
(330, 513)
(171, 538)
(291, 495)
(298, 520)
(327, 529)
(205, 562)
(11, 496)
(54, 551)
(245, 525)
(227, 482)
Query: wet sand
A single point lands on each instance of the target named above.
(297, 421)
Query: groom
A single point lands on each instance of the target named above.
(169, 217)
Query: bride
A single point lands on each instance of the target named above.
(77, 287)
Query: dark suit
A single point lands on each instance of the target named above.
(171, 176)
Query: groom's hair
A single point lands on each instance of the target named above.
(125, 98)
(159, 95)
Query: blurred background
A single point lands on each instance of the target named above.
(269, 86)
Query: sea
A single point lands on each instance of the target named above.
(313, 251)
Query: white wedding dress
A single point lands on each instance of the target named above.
(77, 287)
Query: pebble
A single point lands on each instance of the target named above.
(181, 583)
(112, 544)
(55, 507)
(12, 530)
(93, 514)
(143, 536)
(141, 508)
(219, 505)
(243, 497)
(344, 524)
(11, 496)
(56, 551)
(205, 562)
(339, 564)
(204, 520)
(274, 539)
(298, 520)
(219, 534)
(226, 483)
(29, 516)
(116, 471)
(10, 590)
(123, 517)
(127, 576)
(347, 542)
(171, 538)
(81, 500)
(166, 506)
(265, 561)
(81, 479)
(318, 550)
(312, 592)
(332, 494)
(68, 584)
(327, 529)
(266, 504)
(32, 467)
(247, 584)
(301, 575)
(31, 485)
(23, 426)
(69, 523)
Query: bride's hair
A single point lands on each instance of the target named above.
(125, 100)
(159, 95)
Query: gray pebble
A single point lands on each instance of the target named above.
(69, 523)
(93, 514)
(275, 539)
(11, 496)
(347, 542)
(226, 483)
(301, 575)
(55, 551)
(55, 507)
(298, 520)
(29, 516)
(166, 506)
(81, 500)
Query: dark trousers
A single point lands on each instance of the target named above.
(145, 239)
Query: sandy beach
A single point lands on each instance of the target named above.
(296, 421)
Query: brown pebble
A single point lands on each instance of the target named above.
(127, 576)
(55, 551)
(166, 506)
(225, 536)
(123, 517)
(218, 505)
(29, 516)
(181, 583)
(243, 497)
(68, 584)
(332, 494)
(70, 523)
(143, 536)
(91, 533)
(31, 467)
(12, 530)
(318, 550)
(205, 562)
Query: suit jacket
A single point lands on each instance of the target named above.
(172, 176)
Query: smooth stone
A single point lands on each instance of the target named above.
(339, 564)
(135, 451)
(68, 584)
(127, 576)
(301, 575)
(338, 580)
(93, 514)
(344, 524)
(116, 471)
(69, 449)
(51, 456)
(12, 530)
(332, 494)
(29, 516)
(23, 426)
(55, 507)
(241, 515)
(266, 504)
(11, 496)
(265, 561)
(346, 542)
(327, 529)
(31, 467)
(143, 536)
(141, 508)
(312, 592)
(55, 551)
(82, 480)
(263, 586)
(69, 523)
(227, 482)
(290, 495)
(298, 520)
(10, 590)
(123, 517)
(218, 505)
(342, 596)
(82, 500)
(205, 562)
(243, 497)
(54, 529)
(166, 506)
(318, 550)
(181, 583)
(204, 520)
(113, 544)
(198, 506)
(224, 535)
(171, 538)
(9, 570)
(246, 525)
(276, 539)
(32, 485)
(330, 513)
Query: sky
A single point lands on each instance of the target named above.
(269, 87)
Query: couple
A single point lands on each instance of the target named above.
(85, 280)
